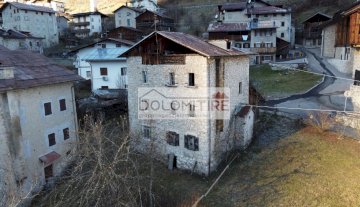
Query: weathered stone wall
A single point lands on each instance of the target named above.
(236, 70)
(328, 47)
(27, 133)
(344, 66)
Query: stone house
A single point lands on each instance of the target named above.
(258, 25)
(312, 31)
(37, 20)
(125, 16)
(37, 124)
(179, 66)
(109, 49)
(16, 40)
(340, 37)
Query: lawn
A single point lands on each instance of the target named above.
(275, 84)
(305, 168)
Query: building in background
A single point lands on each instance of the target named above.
(83, 52)
(38, 124)
(150, 21)
(126, 16)
(88, 24)
(145, 5)
(126, 33)
(36, 20)
(62, 24)
(15, 40)
(312, 30)
(186, 66)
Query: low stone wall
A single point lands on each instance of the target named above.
(343, 66)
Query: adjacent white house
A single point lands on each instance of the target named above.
(108, 70)
(38, 122)
(145, 4)
(88, 24)
(126, 16)
(37, 20)
(107, 48)
(190, 137)
(16, 40)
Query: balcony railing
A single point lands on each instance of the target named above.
(263, 50)
(82, 31)
(262, 24)
(81, 24)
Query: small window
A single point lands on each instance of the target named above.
(128, 23)
(102, 45)
(88, 74)
(66, 133)
(249, 16)
(240, 87)
(282, 24)
(145, 76)
(123, 71)
(103, 71)
(62, 103)
(172, 138)
(283, 15)
(282, 35)
(171, 78)
(52, 140)
(191, 142)
(104, 87)
(146, 132)
(47, 108)
(191, 79)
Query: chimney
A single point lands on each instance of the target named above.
(93, 5)
(6, 73)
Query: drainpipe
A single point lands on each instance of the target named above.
(209, 122)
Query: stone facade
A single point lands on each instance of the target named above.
(24, 139)
(328, 39)
(212, 144)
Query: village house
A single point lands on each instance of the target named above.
(340, 37)
(38, 122)
(126, 33)
(88, 24)
(16, 40)
(256, 26)
(125, 16)
(103, 48)
(150, 21)
(184, 66)
(62, 24)
(37, 20)
(312, 31)
(145, 4)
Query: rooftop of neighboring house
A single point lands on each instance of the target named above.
(14, 34)
(239, 6)
(342, 13)
(128, 7)
(27, 7)
(30, 70)
(107, 54)
(154, 13)
(228, 27)
(84, 14)
(188, 43)
(317, 17)
(114, 40)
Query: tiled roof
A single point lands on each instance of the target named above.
(32, 70)
(228, 27)
(28, 7)
(267, 10)
(193, 43)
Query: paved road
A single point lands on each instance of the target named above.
(328, 95)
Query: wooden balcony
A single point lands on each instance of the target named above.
(153, 59)
(263, 50)
(79, 24)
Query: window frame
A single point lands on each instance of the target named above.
(62, 104)
(172, 138)
(191, 142)
(66, 133)
(104, 71)
(51, 139)
(46, 110)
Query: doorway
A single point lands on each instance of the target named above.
(172, 161)
(49, 173)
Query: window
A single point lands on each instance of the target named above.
(128, 23)
(48, 172)
(103, 71)
(62, 104)
(92, 19)
(102, 45)
(220, 125)
(275, 15)
(52, 140)
(88, 74)
(192, 110)
(104, 87)
(123, 71)
(66, 133)
(38, 44)
(191, 79)
(249, 16)
(283, 24)
(191, 142)
(240, 87)
(246, 45)
(172, 138)
(171, 78)
(145, 76)
(47, 108)
(283, 15)
(357, 78)
(282, 35)
(146, 132)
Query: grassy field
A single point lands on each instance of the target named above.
(303, 169)
(274, 84)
